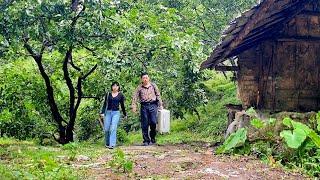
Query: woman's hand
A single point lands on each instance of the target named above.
(101, 116)
(134, 109)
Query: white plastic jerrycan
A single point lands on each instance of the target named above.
(163, 125)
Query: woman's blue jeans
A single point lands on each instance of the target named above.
(111, 120)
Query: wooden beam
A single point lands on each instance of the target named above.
(299, 39)
(227, 68)
(312, 13)
(246, 46)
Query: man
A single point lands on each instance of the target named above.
(148, 95)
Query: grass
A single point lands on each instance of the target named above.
(135, 138)
(27, 160)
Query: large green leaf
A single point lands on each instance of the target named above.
(234, 140)
(315, 138)
(287, 122)
(299, 125)
(300, 132)
(294, 138)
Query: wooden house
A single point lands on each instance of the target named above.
(274, 49)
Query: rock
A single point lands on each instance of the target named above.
(214, 171)
(162, 156)
(62, 157)
(93, 165)
(82, 158)
(241, 120)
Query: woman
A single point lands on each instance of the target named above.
(111, 114)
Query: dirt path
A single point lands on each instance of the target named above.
(187, 162)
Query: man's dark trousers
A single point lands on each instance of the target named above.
(149, 118)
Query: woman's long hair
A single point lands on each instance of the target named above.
(115, 83)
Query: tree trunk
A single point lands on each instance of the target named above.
(62, 135)
(69, 134)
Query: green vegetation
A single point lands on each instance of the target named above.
(234, 140)
(57, 62)
(120, 163)
(25, 160)
(58, 59)
(299, 148)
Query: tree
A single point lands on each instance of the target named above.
(49, 27)
(76, 41)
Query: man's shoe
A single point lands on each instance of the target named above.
(111, 147)
(145, 144)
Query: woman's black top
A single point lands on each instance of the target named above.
(113, 103)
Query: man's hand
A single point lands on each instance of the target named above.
(160, 107)
(101, 116)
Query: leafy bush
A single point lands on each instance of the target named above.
(122, 136)
(120, 163)
(23, 109)
(72, 149)
(88, 125)
(306, 144)
(300, 147)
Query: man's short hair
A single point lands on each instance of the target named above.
(143, 74)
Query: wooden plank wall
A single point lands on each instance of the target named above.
(284, 74)
(247, 78)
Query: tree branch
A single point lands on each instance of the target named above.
(27, 46)
(143, 64)
(75, 19)
(69, 82)
(73, 65)
(80, 93)
(93, 51)
(202, 23)
(91, 71)
(50, 94)
(79, 89)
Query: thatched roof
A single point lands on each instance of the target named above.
(259, 23)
